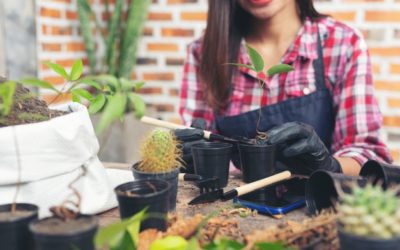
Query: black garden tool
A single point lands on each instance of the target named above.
(204, 133)
(204, 184)
(216, 194)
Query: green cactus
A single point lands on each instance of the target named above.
(370, 212)
(159, 152)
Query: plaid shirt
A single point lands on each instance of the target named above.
(348, 76)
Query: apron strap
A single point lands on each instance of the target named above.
(319, 67)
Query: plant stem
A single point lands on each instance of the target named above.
(260, 134)
(14, 204)
(59, 94)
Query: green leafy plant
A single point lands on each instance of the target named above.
(257, 65)
(111, 96)
(370, 212)
(159, 152)
(121, 42)
(7, 90)
(121, 235)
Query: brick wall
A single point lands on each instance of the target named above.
(173, 24)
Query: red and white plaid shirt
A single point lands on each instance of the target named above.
(348, 76)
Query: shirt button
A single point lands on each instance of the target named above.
(306, 91)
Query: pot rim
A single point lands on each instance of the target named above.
(93, 227)
(208, 145)
(149, 195)
(133, 168)
(29, 207)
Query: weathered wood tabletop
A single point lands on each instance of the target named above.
(187, 191)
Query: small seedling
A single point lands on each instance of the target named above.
(257, 65)
(159, 152)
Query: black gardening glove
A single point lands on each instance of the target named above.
(187, 138)
(301, 149)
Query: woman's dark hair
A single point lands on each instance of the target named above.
(226, 26)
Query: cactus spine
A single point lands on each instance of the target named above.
(159, 152)
(371, 212)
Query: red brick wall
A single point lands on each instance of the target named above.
(173, 24)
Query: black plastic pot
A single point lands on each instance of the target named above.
(14, 232)
(257, 162)
(211, 159)
(63, 235)
(385, 173)
(151, 194)
(323, 186)
(170, 177)
(354, 242)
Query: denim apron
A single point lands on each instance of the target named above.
(315, 109)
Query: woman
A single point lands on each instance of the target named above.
(323, 115)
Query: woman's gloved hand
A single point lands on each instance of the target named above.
(187, 138)
(301, 149)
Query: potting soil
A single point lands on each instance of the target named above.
(53, 226)
(28, 109)
(12, 216)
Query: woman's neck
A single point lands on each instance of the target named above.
(277, 29)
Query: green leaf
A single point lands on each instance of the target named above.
(224, 244)
(75, 97)
(111, 48)
(84, 12)
(7, 90)
(83, 93)
(256, 59)
(110, 80)
(89, 82)
(169, 243)
(193, 244)
(278, 69)
(137, 15)
(114, 109)
(138, 104)
(270, 246)
(125, 243)
(114, 233)
(39, 83)
(76, 71)
(242, 65)
(139, 85)
(126, 85)
(97, 104)
(58, 69)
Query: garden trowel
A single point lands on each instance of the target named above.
(218, 194)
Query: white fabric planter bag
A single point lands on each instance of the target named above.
(51, 156)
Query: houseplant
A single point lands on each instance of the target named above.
(258, 160)
(55, 147)
(160, 159)
(369, 218)
(111, 49)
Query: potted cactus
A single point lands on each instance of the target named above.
(369, 219)
(160, 159)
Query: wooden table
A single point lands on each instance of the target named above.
(186, 192)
